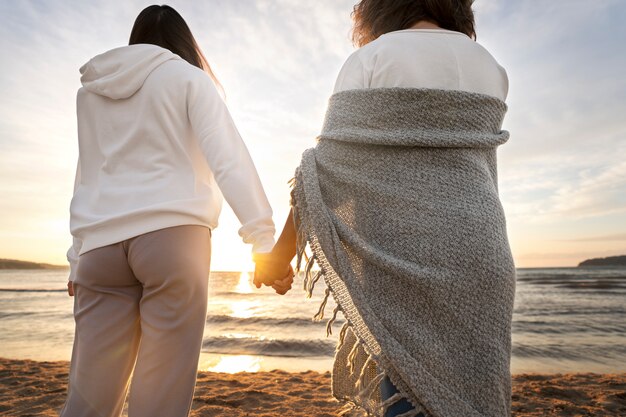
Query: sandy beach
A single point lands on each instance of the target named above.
(31, 388)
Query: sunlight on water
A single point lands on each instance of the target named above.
(233, 364)
(244, 287)
(243, 309)
(241, 336)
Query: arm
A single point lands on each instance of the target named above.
(230, 162)
(74, 250)
(285, 249)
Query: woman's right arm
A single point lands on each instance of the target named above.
(231, 164)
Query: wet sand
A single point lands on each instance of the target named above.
(31, 388)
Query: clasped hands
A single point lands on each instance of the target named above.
(273, 270)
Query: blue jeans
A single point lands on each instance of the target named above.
(387, 389)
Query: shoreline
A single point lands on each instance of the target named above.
(30, 387)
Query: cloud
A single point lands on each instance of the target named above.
(563, 162)
(277, 60)
(561, 171)
(596, 192)
(617, 237)
(572, 186)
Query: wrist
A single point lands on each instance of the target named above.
(281, 255)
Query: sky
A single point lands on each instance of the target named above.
(562, 174)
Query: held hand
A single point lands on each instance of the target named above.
(70, 288)
(282, 286)
(274, 268)
(271, 270)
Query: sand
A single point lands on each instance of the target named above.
(30, 388)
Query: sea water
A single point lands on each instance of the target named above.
(565, 320)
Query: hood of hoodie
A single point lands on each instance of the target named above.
(120, 72)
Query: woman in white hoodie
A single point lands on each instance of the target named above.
(157, 150)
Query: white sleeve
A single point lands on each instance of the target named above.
(230, 162)
(352, 75)
(505, 83)
(74, 250)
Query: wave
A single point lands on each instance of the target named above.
(601, 353)
(595, 285)
(597, 328)
(571, 278)
(41, 316)
(574, 282)
(236, 294)
(605, 353)
(268, 321)
(268, 347)
(549, 310)
(32, 290)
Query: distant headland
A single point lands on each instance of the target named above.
(609, 261)
(15, 264)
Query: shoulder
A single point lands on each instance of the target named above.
(180, 76)
(354, 61)
(369, 52)
(352, 74)
(479, 50)
(487, 64)
(391, 43)
(179, 71)
(385, 46)
(393, 46)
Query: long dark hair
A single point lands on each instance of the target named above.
(165, 27)
(373, 18)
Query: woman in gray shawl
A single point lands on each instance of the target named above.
(398, 203)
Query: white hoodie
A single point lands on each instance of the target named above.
(158, 148)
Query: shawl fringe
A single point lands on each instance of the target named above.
(367, 391)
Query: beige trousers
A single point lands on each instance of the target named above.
(140, 309)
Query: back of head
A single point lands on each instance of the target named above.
(165, 27)
(373, 18)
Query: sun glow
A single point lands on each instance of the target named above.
(244, 287)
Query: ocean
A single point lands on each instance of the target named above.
(565, 320)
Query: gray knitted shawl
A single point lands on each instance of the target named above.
(399, 205)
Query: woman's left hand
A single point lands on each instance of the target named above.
(70, 288)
